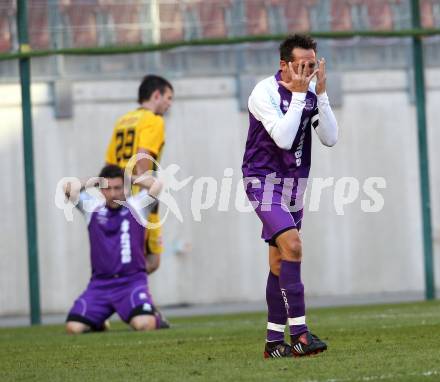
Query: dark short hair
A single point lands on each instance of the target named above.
(295, 41)
(150, 84)
(111, 171)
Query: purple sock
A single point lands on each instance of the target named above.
(276, 310)
(292, 289)
(158, 318)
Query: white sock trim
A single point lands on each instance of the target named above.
(297, 321)
(276, 327)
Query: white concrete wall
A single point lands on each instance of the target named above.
(352, 254)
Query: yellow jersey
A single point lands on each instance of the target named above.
(135, 130)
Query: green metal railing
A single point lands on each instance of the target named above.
(105, 50)
(419, 82)
(28, 152)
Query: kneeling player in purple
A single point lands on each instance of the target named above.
(283, 109)
(116, 231)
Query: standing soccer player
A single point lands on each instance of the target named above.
(283, 109)
(119, 279)
(142, 131)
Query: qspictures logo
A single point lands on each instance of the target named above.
(229, 193)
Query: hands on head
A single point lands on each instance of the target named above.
(300, 80)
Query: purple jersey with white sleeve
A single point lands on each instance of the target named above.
(117, 236)
(263, 156)
(277, 157)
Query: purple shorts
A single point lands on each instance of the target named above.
(275, 214)
(126, 295)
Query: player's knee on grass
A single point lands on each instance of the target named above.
(143, 323)
(73, 327)
(290, 245)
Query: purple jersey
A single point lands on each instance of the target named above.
(117, 237)
(262, 155)
(277, 158)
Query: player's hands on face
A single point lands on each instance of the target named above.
(299, 82)
(321, 78)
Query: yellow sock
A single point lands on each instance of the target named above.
(154, 238)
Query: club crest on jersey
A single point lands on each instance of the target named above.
(102, 216)
(102, 212)
(309, 104)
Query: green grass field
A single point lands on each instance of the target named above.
(371, 343)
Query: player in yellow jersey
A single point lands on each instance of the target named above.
(143, 131)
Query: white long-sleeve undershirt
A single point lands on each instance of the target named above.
(264, 104)
(327, 127)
